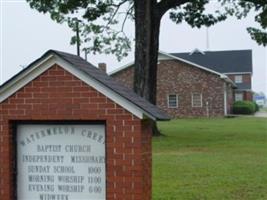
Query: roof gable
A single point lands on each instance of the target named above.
(166, 56)
(235, 61)
(90, 75)
(193, 64)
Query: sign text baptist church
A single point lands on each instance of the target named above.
(61, 162)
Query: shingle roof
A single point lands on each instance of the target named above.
(109, 82)
(98, 75)
(243, 86)
(221, 61)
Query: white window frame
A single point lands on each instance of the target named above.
(192, 100)
(168, 101)
(237, 94)
(238, 79)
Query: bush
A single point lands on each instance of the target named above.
(244, 107)
(257, 107)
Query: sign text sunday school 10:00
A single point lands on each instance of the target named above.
(61, 162)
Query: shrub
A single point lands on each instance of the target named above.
(257, 107)
(244, 107)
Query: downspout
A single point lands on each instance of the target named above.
(207, 109)
(226, 81)
(225, 99)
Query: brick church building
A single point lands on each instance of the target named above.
(198, 84)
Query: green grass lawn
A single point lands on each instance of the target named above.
(214, 159)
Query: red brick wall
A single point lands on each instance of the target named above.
(247, 95)
(126, 77)
(58, 95)
(175, 77)
(246, 77)
(147, 156)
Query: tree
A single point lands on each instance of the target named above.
(241, 8)
(99, 20)
(259, 34)
(102, 27)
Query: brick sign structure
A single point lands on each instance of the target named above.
(68, 131)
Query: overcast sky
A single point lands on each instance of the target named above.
(26, 34)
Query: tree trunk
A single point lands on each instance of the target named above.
(147, 19)
(146, 49)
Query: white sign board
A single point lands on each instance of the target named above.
(61, 162)
(260, 102)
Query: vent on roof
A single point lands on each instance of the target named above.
(196, 50)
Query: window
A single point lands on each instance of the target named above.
(238, 96)
(196, 100)
(238, 79)
(172, 101)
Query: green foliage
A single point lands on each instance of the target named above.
(257, 107)
(210, 159)
(241, 9)
(194, 14)
(244, 107)
(101, 22)
(98, 22)
(258, 35)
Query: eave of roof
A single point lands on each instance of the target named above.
(25, 69)
(243, 86)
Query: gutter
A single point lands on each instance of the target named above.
(228, 80)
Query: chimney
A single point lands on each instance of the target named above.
(103, 67)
